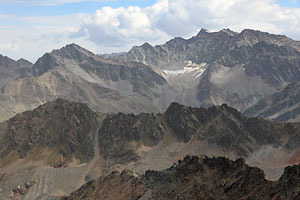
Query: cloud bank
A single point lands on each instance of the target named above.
(171, 18)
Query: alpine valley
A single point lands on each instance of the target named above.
(76, 125)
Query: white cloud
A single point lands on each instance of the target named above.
(169, 18)
(35, 36)
(120, 26)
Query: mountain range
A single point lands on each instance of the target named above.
(61, 145)
(224, 67)
(211, 68)
(74, 116)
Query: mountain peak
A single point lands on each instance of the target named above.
(146, 45)
(250, 32)
(50, 60)
(174, 106)
(229, 32)
(24, 62)
(202, 31)
(63, 126)
(72, 51)
(72, 46)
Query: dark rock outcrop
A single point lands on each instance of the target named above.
(64, 127)
(122, 135)
(194, 178)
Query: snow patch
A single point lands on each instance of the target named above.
(191, 69)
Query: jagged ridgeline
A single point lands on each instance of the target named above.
(122, 135)
(194, 178)
(67, 130)
(210, 68)
(61, 129)
(11, 69)
(48, 139)
(75, 74)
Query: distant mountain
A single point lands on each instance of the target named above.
(193, 178)
(11, 69)
(223, 67)
(282, 106)
(61, 145)
(211, 68)
(76, 74)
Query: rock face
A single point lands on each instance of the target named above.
(281, 106)
(193, 178)
(120, 135)
(76, 74)
(212, 68)
(52, 146)
(64, 128)
(11, 69)
(61, 145)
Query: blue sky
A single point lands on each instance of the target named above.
(289, 3)
(29, 28)
(67, 8)
(38, 8)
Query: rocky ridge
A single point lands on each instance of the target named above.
(212, 68)
(281, 106)
(76, 74)
(193, 178)
(120, 135)
(60, 126)
(61, 145)
(11, 69)
(52, 147)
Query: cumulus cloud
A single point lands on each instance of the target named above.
(170, 18)
(120, 26)
(31, 37)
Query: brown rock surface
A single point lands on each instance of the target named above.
(194, 178)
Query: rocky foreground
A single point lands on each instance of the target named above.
(194, 178)
(61, 145)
